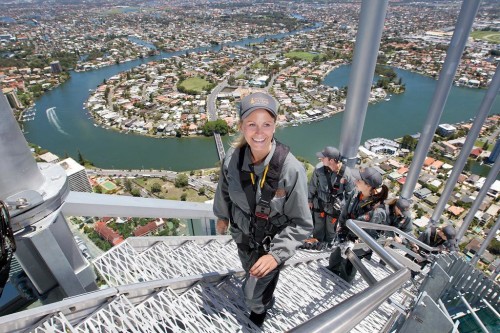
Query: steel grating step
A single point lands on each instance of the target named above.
(124, 265)
(305, 289)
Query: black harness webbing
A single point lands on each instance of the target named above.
(261, 230)
(334, 190)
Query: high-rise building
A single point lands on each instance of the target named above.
(77, 177)
(494, 153)
(11, 95)
(55, 66)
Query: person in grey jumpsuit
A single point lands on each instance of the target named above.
(289, 212)
(399, 216)
(325, 197)
(362, 205)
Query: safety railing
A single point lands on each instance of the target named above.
(346, 315)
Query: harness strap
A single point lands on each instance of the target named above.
(261, 230)
(334, 190)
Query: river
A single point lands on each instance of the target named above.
(63, 127)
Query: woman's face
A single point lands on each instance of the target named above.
(258, 129)
(398, 211)
(441, 234)
(363, 187)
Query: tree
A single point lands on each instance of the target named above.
(181, 180)
(201, 191)
(409, 142)
(468, 165)
(218, 125)
(135, 192)
(156, 188)
(98, 189)
(81, 160)
(183, 196)
(486, 145)
(128, 185)
(494, 247)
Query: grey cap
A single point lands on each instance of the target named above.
(449, 231)
(330, 152)
(258, 100)
(403, 204)
(369, 175)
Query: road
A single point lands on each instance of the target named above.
(93, 249)
(220, 147)
(194, 181)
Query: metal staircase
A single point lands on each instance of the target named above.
(193, 284)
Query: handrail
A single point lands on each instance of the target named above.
(473, 314)
(373, 226)
(356, 227)
(347, 314)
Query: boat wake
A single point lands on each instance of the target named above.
(54, 120)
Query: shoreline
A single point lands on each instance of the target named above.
(99, 121)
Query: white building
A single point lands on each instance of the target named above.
(382, 146)
(446, 129)
(77, 177)
(49, 157)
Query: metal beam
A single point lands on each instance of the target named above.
(491, 308)
(491, 234)
(17, 158)
(453, 55)
(355, 227)
(492, 176)
(93, 204)
(371, 24)
(474, 315)
(365, 273)
(459, 164)
(346, 315)
(374, 226)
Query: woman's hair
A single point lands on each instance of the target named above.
(392, 202)
(379, 195)
(239, 141)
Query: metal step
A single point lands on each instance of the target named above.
(305, 289)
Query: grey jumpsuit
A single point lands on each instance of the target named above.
(360, 209)
(325, 214)
(403, 223)
(289, 212)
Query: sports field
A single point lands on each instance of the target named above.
(195, 83)
(489, 36)
(301, 55)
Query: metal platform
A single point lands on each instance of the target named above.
(181, 284)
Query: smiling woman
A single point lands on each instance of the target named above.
(263, 191)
